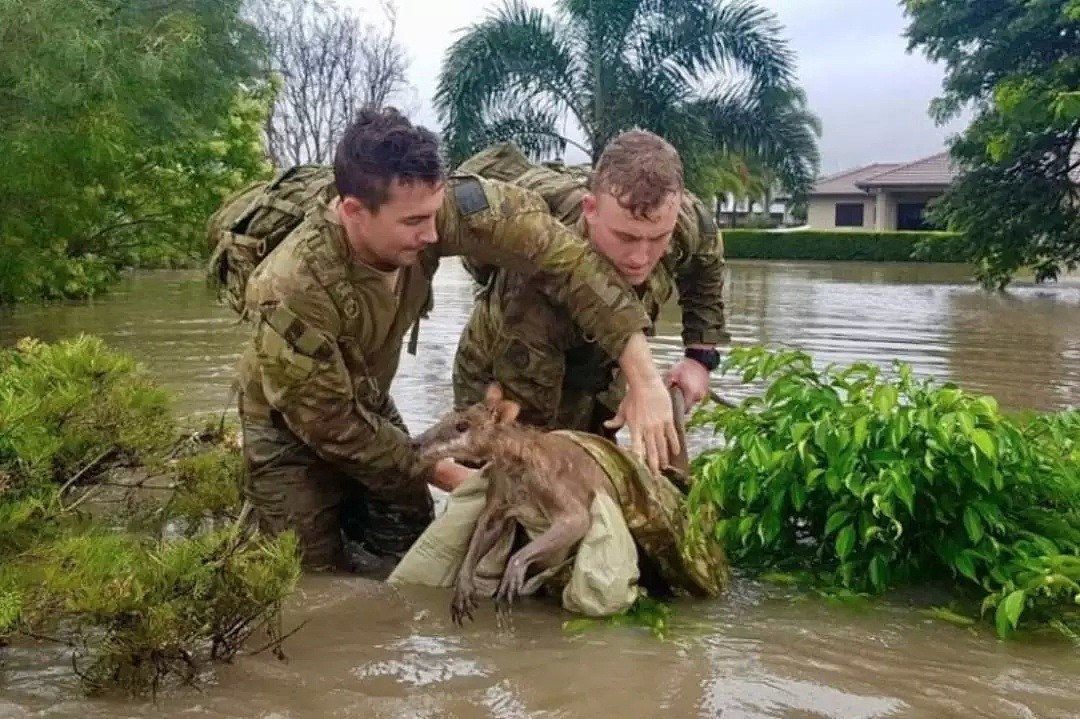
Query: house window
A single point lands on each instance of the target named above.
(849, 214)
(909, 216)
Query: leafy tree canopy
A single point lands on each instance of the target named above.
(1018, 65)
(123, 124)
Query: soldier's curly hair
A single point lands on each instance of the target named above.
(381, 146)
(640, 169)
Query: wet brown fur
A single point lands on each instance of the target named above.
(536, 476)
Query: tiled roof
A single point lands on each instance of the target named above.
(844, 183)
(936, 170)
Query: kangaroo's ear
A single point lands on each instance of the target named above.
(494, 393)
(507, 411)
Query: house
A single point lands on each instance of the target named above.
(732, 211)
(881, 196)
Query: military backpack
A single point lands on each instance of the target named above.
(254, 220)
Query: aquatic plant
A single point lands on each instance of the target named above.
(142, 591)
(856, 480)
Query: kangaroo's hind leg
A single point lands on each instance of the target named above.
(568, 527)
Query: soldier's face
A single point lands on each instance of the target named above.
(394, 234)
(634, 245)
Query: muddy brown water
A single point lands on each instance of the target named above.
(370, 650)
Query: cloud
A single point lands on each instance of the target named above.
(871, 95)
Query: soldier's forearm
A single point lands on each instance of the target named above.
(363, 446)
(636, 361)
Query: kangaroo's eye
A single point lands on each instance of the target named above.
(462, 426)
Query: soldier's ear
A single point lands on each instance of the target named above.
(507, 411)
(588, 205)
(353, 209)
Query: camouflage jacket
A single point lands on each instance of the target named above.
(694, 264)
(328, 330)
(539, 351)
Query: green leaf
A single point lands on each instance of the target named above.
(988, 403)
(982, 439)
(1009, 611)
(884, 399)
(861, 431)
(836, 520)
(821, 435)
(947, 615)
(878, 571)
(965, 566)
(845, 541)
(798, 496)
(748, 489)
(1067, 106)
(973, 524)
(833, 480)
(799, 430)
(769, 528)
(905, 490)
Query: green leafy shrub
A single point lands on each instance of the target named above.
(136, 602)
(841, 245)
(853, 480)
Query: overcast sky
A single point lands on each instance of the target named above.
(871, 95)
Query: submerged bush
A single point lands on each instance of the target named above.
(137, 602)
(853, 480)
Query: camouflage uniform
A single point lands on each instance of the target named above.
(686, 562)
(537, 349)
(320, 429)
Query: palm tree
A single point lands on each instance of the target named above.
(609, 65)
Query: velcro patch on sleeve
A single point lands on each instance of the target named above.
(470, 196)
(303, 339)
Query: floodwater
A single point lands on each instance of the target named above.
(370, 650)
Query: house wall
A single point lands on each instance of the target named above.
(821, 210)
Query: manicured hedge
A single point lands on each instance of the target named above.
(841, 245)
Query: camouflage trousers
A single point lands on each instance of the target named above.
(341, 525)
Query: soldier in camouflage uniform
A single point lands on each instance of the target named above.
(660, 239)
(537, 350)
(330, 305)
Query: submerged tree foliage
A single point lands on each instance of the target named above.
(859, 482)
(141, 590)
(123, 124)
(1017, 199)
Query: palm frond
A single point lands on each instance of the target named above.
(772, 126)
(534, 130)
(515, 54)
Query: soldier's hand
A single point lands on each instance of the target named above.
(692, 378)
(646, 409)
(448, 474)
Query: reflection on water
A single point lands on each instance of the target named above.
(370, 650)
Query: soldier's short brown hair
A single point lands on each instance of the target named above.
(640, 169)
(381, 146)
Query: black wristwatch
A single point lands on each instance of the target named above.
(709, 358)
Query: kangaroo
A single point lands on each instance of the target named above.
(539, 475)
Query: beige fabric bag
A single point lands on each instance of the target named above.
(603, 571)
